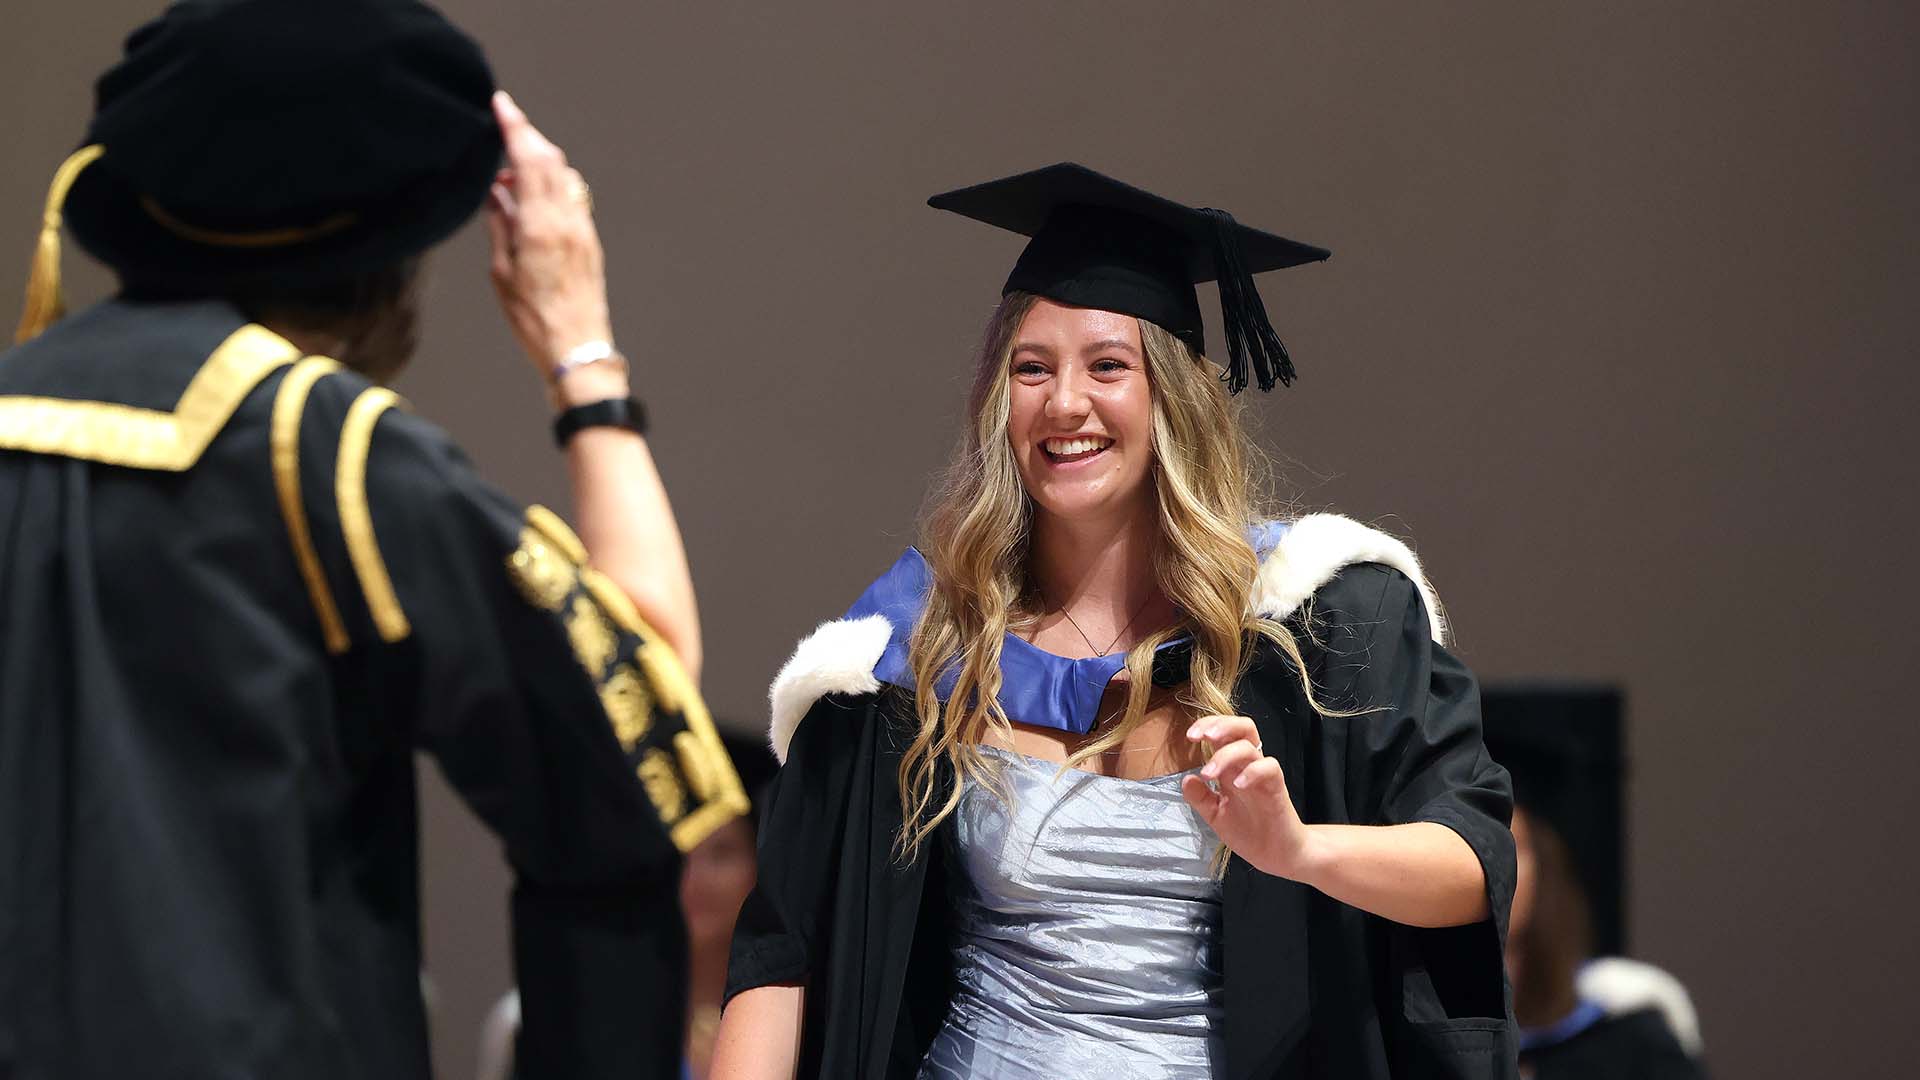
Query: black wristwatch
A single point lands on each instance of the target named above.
(614, 412)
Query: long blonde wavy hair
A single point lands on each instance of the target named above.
(975, 535)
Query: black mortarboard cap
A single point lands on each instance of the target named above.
(287, 138)
(1104, 244)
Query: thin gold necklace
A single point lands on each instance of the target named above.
(1097, 651)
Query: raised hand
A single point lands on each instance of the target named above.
(547, 265)
(1241, 793)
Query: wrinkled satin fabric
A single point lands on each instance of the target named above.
(1085, 931)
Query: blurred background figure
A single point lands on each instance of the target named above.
(1583, 1014)
(1582, 1017)
(714, 880)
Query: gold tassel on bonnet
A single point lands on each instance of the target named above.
(45, 303)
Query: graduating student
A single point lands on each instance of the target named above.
(240, 584)
(1113, 776)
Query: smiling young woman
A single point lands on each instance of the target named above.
(1069, 785)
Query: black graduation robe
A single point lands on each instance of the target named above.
(1637, 1045)
(1631, 1019)
(238, 588)
(1312, 987)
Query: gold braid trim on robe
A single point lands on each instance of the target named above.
(137, 438)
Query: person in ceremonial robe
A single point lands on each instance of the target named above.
(241, 583)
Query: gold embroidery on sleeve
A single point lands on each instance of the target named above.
(137, 438)
(628, 705)
(663, 788)
(289, 403)
(618, 605)
(543, 575)
(647, 693)
(593, 640)
(697, 766)
(672, 692)
(356, 519)
(703, 757)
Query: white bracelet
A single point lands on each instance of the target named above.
(592, 352)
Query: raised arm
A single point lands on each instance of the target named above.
(549, 271)
(1419, 873)
(1430, 848)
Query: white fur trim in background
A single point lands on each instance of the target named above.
(1318, 547)
(1621, 986)
(497, 1036)
(837, 658)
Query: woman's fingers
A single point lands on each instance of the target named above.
(1261, 777)
(573, 188)
(504, 198)
(1241, 793)
(1218, 731)
(536, 162)
(1227, 762)
(547, 262)
(546, 199)
(1205, 801)
(1234, 742)
(500, 235)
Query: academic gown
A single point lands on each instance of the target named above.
(1637, 1044)
(1631, 1020)
(238, 588)
(1311, 987)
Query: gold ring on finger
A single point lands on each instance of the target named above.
(579, 192)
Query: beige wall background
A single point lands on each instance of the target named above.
(1620, 330)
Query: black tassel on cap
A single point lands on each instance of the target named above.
(1251, 340)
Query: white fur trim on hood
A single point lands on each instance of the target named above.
(1319, 546)
(1621, 986)
(838, 658)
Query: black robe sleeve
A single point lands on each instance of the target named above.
(835, 909)
(551, 708)
(785, 921)
(1413, 752)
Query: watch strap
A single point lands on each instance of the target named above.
(613, 412)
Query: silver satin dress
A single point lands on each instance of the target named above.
(1085, 931)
